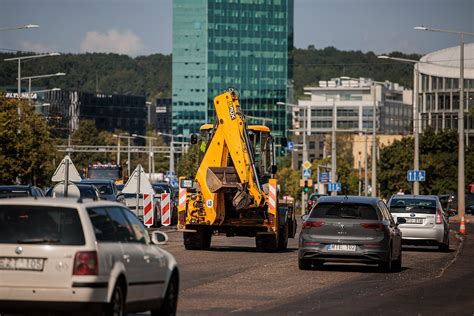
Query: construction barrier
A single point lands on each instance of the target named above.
(148, 210)
(462, 227)
(165, 209)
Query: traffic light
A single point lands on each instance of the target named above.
(306, 188)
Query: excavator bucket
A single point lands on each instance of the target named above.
(222, 178)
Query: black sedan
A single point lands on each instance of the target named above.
(350, 229)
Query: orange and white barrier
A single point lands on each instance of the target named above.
(182, 199)
(462, 227)
(272, 196)
(148, 210)
(165, 209)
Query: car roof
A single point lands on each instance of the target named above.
(16, 186)
(58, 202)
(348, 199)
(413, 196)
(92, 181)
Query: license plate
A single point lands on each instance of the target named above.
(414, 220)
(29, 264)
(337, 247)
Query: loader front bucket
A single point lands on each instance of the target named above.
(220, 179)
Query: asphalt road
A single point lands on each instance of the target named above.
(233, 277)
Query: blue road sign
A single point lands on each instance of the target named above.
(306, 173)
(324, 177)
(290, 146)
(334, 186)
(416, 175)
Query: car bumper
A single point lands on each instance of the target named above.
(365, 253)
(414, 235)
(29, 298)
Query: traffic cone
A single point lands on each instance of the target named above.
(462, 228)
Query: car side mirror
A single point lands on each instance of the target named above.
(194, 139)
(401, 220)
(159, 238)
(304, 217)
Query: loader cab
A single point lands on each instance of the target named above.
(261, 141)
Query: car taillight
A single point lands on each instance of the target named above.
(310, 224)
(439, 219)
(376, 226)
(86, 263)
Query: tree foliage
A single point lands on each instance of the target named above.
(27, 151)
(438, 156)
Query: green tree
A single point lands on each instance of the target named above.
(189, 162)
(27, 150)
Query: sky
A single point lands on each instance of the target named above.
(143, 27)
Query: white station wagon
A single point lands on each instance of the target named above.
(66, 254)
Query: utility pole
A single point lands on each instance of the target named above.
(374, 143)
(333, 145)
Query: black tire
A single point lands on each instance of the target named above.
(170, 301)
(304, 264)
(117, 302)
(386, 266)
(397, 264)
(199, 240)
(444, 246)
(267, 243)
(283, 237)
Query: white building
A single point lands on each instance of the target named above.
(439, 89)
(354, 104)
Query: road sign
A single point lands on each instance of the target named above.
(416, 175)
(72, 190)
(148, 216)
(66, 171)
(306, 164)
(324, 177)
(290, 146)
(165, 209)
(334, 186)
(306, 173)
(138, 182)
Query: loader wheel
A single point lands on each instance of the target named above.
(283, 237)
(267, 243)
(197, 241)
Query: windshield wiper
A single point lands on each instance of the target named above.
(38, 240)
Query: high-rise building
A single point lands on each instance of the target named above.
(231, 43)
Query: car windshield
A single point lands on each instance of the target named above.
(159, 189)
(104, 188)
(12, 192)
(344, 210)
(410, 205)
(87, 193)
(40, 225)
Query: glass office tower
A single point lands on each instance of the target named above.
(231, 43)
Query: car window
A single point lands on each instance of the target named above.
(40, 225)
(124, 230)
(87, 193)
(413, 205)
(11, 192)
(104, 188)
(344, 210)
(138, 229)
(104, 228)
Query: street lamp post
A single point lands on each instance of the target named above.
(19, 59)
(128, 137)
(416, 121)
(172, 142)
(19, 27)
(150, 155)
(461, 184)
(30, 78)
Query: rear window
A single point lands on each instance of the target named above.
(408, 205)
(40, 225)
(87, 193)
(344, 210)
